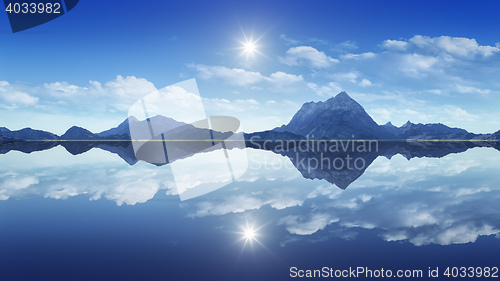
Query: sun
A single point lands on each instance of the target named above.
(249, 48)
(249, 234)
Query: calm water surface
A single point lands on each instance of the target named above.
(93, 216)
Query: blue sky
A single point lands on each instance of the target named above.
(402, 60)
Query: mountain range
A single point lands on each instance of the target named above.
(338, 118)
(342, 118)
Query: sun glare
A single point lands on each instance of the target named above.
(249, 47)
(249, 234)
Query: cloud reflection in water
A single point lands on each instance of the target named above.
(444, 201)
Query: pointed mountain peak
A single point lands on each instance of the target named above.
(343, 95)
(407, 124)
(342, 101)
(340, 117)
(389, 124)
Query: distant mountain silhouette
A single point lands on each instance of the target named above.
(77, 140)
(392, 129)
(4, 138)
(27, 134)
(432, 132)
(122, 129)
(495, 136)
(78, 133)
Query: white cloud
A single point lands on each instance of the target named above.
(107, 97)
(12, 183)
(288, 40)
(467, 191)
(306, 55)
(278, 81)
(318, 41)
(13, 97)
(117, 94)
(457, 113)
(281, 77)
(365, 83)
(123, 185)
(16, 98)
(395, 45)
(130, 87)
(345, 46)
(416, 64)
(233, 204)
(349, 76)
(306, 226)
(15, 183)
(330, 191)
(459, 234)
(125, 89)
(285, 83)
(363, 56)
(331, 89)
(471, 90)
(416, 217)
(456, 46)
(381, 114)
(133, 191)
(219, 105)
(63, 89)
(62, 191)
(450, 115)
(232, 76)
